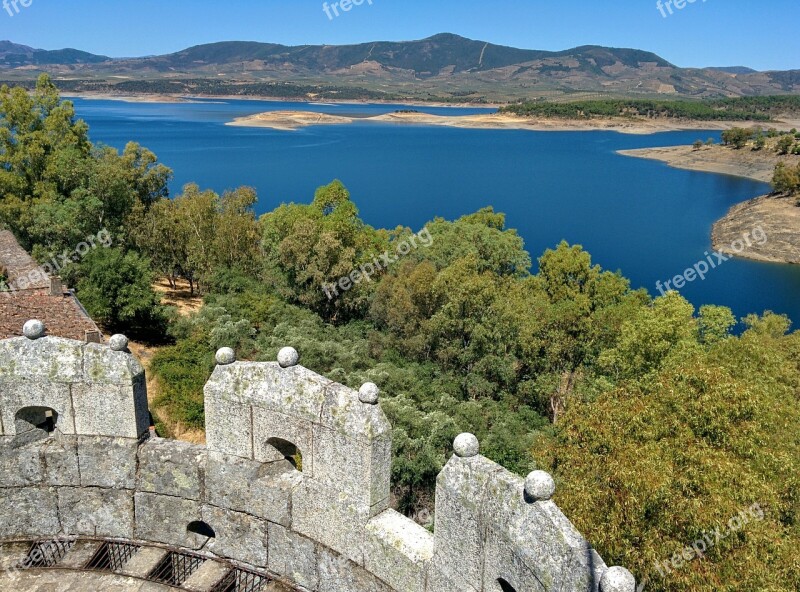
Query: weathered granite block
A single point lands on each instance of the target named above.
(440, 579)
(28, 511)
(102, 365)
(458, 560)
(531, 542)
(96, 512)
(229, 427)
(172, 468)
(20, 466)
(165, 519)
(50, 359)
(330, 517)
(79, 554)
(107, 462)
(143, 561)
(511, 568)
(242, 485)
(17, 394)
(107, 410)
(60, 455)
(293, 556)
(206, 576)
(337, 574)
(343, 412)
(343, 463)
(380, 470)
(294, 391)
(399, 550)
(239, 536)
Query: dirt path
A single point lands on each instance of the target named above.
(186, 303)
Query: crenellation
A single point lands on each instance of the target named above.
(400, 549)
(294, 479)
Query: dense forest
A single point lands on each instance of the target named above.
(662, 424)
(209, 87)
(735, 109)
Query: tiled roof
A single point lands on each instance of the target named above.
(32, 297)
(62, 315)
(20, 268)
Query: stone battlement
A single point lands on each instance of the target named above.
(294, 480)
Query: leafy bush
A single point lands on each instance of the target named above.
(116, 289)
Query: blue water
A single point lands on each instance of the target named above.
(641, 217)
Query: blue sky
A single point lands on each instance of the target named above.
(758, 33)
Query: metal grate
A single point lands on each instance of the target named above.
(47, 553)
(240, 580)
(111, 556)
(175, 568)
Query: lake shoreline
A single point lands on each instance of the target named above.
(183, 98)
(779, 219)
(777, 216)
(284, 122)
(294, 120)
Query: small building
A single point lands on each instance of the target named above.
(30, 292)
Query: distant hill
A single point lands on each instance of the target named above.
(442, 67)
(734, 69)
(13, 55)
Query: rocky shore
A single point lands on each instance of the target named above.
(777, 216)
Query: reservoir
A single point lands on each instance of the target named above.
(641, 217)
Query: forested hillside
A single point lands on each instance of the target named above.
(660, 422)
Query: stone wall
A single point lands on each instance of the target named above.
(294, 479)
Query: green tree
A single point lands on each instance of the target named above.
(56, 189)
(737, 137)
(785, 144)
(158, 234)
(715, 324)
(786, 179)
(200, 232)
(645, 469)
(116, 289)
(310, 248)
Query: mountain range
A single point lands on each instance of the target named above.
(445, 66)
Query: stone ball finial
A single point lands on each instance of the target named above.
(118, 343)
(225, 356)
(369, 393)
(34, 329)
(539, 486)
(617, 579)
(288, 357)
(466, 446)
